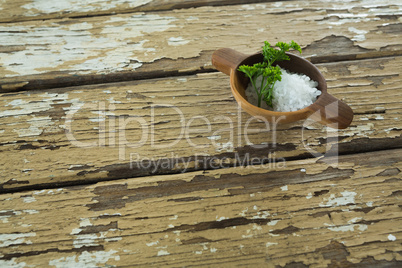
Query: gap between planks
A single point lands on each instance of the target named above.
(352, 157)
(31, 138)
(308, 217)
(87, 80)
(199, 31)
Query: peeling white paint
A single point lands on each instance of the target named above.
(354, 220)
(344, 18)
(85, 240)
(177, 41)
(273, 223)
(39, 192)
(214, 137)
(220, 219)
(362, 227)
(85, 222)
(163, 253)
(96, 119)
(192, 18)
(30, 211)
(23, 107)
(284, 188)
(243, 212)
(271, 234)
(91, 239)
(360, 34)
(248, 7)
(177, 232)
(391, 237)
(379, 108)
(175, 217)
(152, 244)
(261, 215)
(345, 228)
(122, 46)
(388, 130)
(70, 6)
(269, 244)
(29, 199)
(101, 115)
(379, 117)
(37, 126)
(12, 264)
(226, 146)
(4, 218)
(346, 198)
(360, 130)
(75, 166)
(85, 259)
(15, 239)
(112, 100)
(349, 228)
(309, 196)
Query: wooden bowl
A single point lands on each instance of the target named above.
(327, 109)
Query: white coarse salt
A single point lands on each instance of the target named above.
(292, 93)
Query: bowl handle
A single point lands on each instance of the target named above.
(331, 111)
(226, 60)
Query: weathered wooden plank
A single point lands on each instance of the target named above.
(56, 53)
(111, 131)
(28, 10)
(305, 213)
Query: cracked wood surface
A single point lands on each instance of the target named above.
(129, 173)
(63, 52)
(307, 214)
(28, 10)
(159, 126)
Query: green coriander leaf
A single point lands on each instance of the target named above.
(295, 46)
(250, 71)
(270, 74)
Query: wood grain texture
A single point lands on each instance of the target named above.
(98, 170)
(304, 214)
(65, 52)
(28, 10)
(113, 131)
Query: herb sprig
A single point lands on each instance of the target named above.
(270, 74)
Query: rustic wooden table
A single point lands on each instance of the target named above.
(122, 146)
